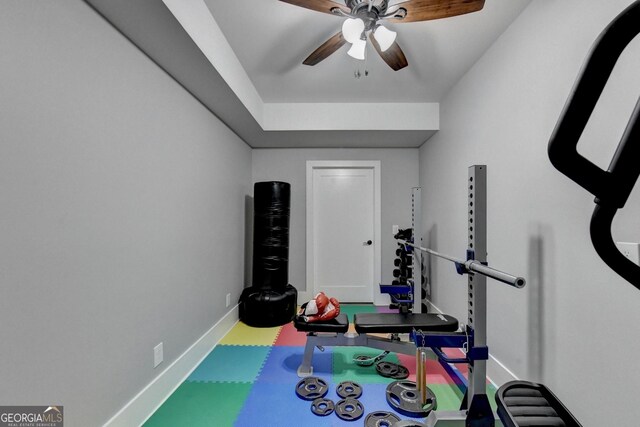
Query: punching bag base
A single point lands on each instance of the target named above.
(267, 308)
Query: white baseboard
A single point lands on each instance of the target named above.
(145, 403)
(497, 372)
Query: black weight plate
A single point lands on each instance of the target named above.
(349, 409)
(349, 389)
(387, 369)
(363, 360)
(402, 373)
(322, 407)
(404, 397)
(311, 388)
(380, 419)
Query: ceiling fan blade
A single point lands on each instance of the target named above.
(394, 56)
(327, 48)
(318, 5)
(426, 10)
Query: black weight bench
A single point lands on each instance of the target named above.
(338, 325)
(527, 404)
(398, 323)
(334, 333)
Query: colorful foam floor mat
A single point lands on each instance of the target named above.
(249, 380)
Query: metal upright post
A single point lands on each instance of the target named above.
(416, 225)
(480, 413)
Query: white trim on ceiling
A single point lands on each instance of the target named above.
(195, 17)
(330, 116)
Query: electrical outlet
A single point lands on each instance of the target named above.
(394, 229)
(228, 300)
(158, 355)
(630, 250)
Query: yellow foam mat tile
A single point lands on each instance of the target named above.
(242, 334)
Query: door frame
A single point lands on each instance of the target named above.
(374, 165)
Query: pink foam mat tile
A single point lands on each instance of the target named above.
(289, 336)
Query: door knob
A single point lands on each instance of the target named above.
(367, 243)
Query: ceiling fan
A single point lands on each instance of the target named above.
(363, 21)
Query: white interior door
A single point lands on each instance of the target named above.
(343, 246)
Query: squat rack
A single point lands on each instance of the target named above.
(475, 410)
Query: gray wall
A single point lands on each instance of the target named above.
(399, 172)
(571, 325)
(122, 213)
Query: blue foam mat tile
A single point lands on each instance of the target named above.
(229, 363)
(277, 405)
(282, 364)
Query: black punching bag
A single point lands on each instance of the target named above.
(271, 235)
(271, 300)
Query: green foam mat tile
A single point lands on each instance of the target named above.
(345, 369)
(231, 363)
(448, 396)
(201, 405)
(491, 395)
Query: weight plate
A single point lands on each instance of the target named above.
(349, 389)
(404, 397)
(322, 407)
(402, 373)
(380, 419)
(363, 360)
(349, 409)
(408, 423)
(387, 369)
(311, 388)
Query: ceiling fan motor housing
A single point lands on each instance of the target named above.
(377, 6)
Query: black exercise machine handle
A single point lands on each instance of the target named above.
(612, 187)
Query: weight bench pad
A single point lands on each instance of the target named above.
(527, 404)
(339, 324)
(398, 323)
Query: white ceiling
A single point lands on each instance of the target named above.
(242, 59)
(272, 38)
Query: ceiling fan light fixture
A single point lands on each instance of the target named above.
(385, 37)
(352, 29)
(357, 49)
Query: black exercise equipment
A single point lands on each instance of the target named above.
(392, 370)
(367, 323)
(349, 389)
(404, 397)
(349, 409)
(335, 332)
(401, 291)
(380, 419)
(322, 407)
(526, 404)
(271, 300)
(613, 186)
(338, 325)
(311, 388)
(363, 360)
